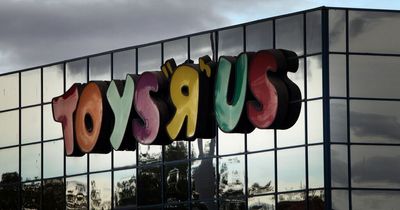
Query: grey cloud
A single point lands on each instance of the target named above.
(34, 33)
(363, 21)
(377, 169)
(375, 125)
(38, 32)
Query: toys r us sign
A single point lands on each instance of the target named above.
(181, 102)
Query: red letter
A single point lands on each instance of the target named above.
(276, 103)
(262, 113)
(63, 111)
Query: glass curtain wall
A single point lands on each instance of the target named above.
(342, 152)
(364, 99)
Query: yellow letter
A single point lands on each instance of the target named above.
(184, 91)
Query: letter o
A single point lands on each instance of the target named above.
(88, 118)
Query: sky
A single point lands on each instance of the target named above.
(37, 32)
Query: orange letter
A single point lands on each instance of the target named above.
(92, 121)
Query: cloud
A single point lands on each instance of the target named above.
(376, 170)
(375, 126)
(35, 33)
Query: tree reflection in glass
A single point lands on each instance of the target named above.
(149, 186)
(125, 188)
(261, 173)
(53, 194)
(201, 148)
(231, 172)
(9, 190)
(178, 150)
(292, 201)
(149, 153)
(76, 193)
(176, 182)
(100, 191)
(203, 180)
(31, 195)
(262, 203)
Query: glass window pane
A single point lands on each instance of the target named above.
(204, 179)
(230, 143)
(76, 165)
(291, 169)
(10, 130)
(76, 192)
(176, 182)
(149, 58)
(340, 199)
(9, 161)
(31, 195)
(53, 159)
(259, 36)
(374, 121)
(9, 91)
(124, 159)
(316, 199)
(31, 124)
(177, 49)
(260, 139)
(315, 167)
(374, 31)
(294, 135)
(232, 204)
(76, 72)
(30, 162)
(149, 153)
(298, 77)
(203, 148)
(315, 121)
(338, 118)
(100, 67)
(337, 75)
(337, 30)
(201, 45)
(204, 205)
(177, 150)
(176, 207)
(99, 162)
(52, 129)
(375, 166)
(30, 87)
(262, 202)
(124, 63)
(100, 191)
(230, 42)
(261, 173)
(231, 176)
(53, 82)
(53, 194)
(9, 200)
(125, 188)
(374, 76)
(314, 76)
(149, 185)
(372, 200)
(289, 34)
(314, 32)
(292, 201)
(339, 166)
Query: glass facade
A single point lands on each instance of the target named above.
(343, 152)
